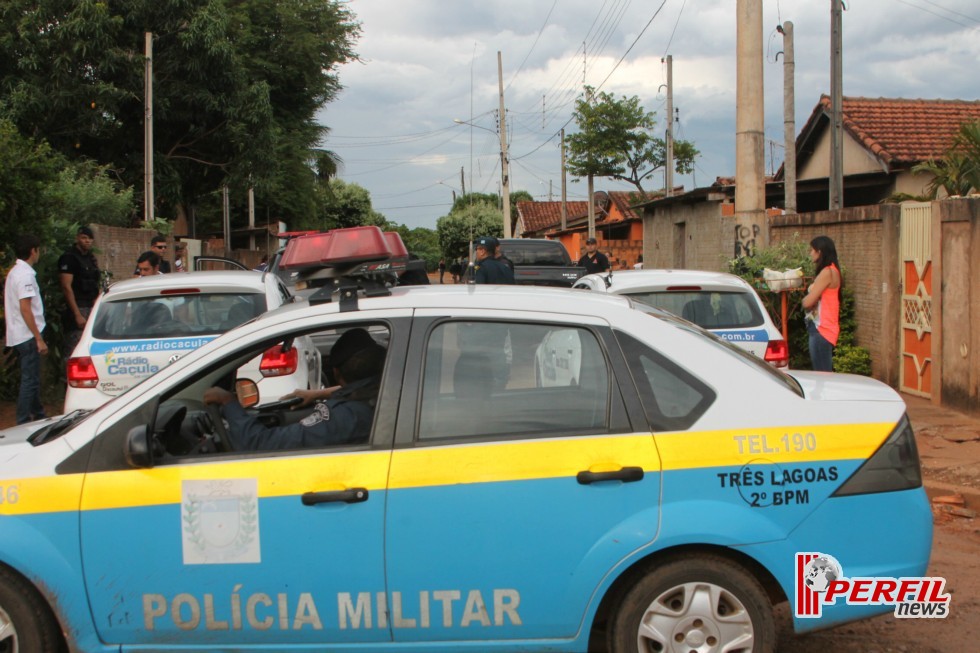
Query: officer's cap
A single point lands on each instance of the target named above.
(349, 343)
(488, 242)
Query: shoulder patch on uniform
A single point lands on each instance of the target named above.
(321, 413)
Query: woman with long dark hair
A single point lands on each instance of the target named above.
(822, 304)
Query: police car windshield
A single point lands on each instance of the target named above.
(176, 315)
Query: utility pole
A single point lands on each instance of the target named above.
(251, 217)
(669, 162)
(564, 185)
(836, 109)
(148, 131)
(504, 171)
(226, 219)
(750, 197)
(789, 120)
(462, 177)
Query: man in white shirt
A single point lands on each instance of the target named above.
(24, 315)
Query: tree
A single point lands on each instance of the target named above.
(615, 140)
(236, 88)
(344, 205)
(466, 221)
(957, 173)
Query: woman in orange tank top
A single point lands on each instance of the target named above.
(822, 304)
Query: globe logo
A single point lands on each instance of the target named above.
(820, 571)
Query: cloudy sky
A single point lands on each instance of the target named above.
(426, 63)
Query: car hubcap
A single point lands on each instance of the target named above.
(695, 618)
(8, 634)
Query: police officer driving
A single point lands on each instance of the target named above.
(341, 414)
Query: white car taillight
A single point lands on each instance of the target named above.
(81, 372)
(276, 362)
(777, 353)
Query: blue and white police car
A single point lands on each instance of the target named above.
(721, 303)
(646, 506)
(140, 326)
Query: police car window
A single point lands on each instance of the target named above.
(341, 366)
(496, 378)
(672, 398)
(175, 315)
(707, 309)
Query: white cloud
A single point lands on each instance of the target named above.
(426, 63)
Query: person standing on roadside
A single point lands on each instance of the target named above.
(79, 277)
(455, 270)
(593, 260)
(488, 269)
(158, 245)
(442, 270)
(822, 304)
(24, 316)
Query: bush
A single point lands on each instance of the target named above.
(852, 359)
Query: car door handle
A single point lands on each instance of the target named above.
(353, 495)
(626, 475)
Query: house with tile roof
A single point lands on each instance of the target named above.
(884, 138)
(619, 228)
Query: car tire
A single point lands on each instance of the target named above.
(697, 603)
(26, 623)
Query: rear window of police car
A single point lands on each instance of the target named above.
(176, 315)
(707, 309)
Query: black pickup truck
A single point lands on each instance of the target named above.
(540, 262)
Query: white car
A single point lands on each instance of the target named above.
(724, 304)
(445, 499)
(142, 325)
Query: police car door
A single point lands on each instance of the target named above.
(516, 483)
(238, 549)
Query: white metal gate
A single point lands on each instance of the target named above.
(916, 275)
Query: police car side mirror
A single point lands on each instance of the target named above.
(139, 447)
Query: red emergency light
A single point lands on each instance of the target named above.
(342, 247)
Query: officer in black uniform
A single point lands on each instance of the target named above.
(341, 414)
(79, 276)
(593, 260)
(488, 269)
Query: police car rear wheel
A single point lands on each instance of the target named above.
(26, 624)
(700, 604)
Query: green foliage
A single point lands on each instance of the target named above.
(615, 139)
(851, 359)
(158, 226)
(340, 205)
(468, 220)
(237, 86)
(958, 172)
(791, 254)
(88, 194)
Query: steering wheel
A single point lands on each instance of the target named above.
(280, 405)
(221, 438)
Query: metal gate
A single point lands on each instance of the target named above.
(916, 275)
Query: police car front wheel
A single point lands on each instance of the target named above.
(704, 603)
(26, 624)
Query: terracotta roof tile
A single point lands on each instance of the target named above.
(541, 215)
(905, 131)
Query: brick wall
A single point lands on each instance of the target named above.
(117, 248)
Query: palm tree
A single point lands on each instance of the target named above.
(958, 172)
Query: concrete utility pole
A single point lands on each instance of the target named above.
(836, 109)
(504, 167)
(750, 195)
(462, 176)
(564, 185)
(789, 120)
(669, 160)
(148, 131)
(226, 219)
